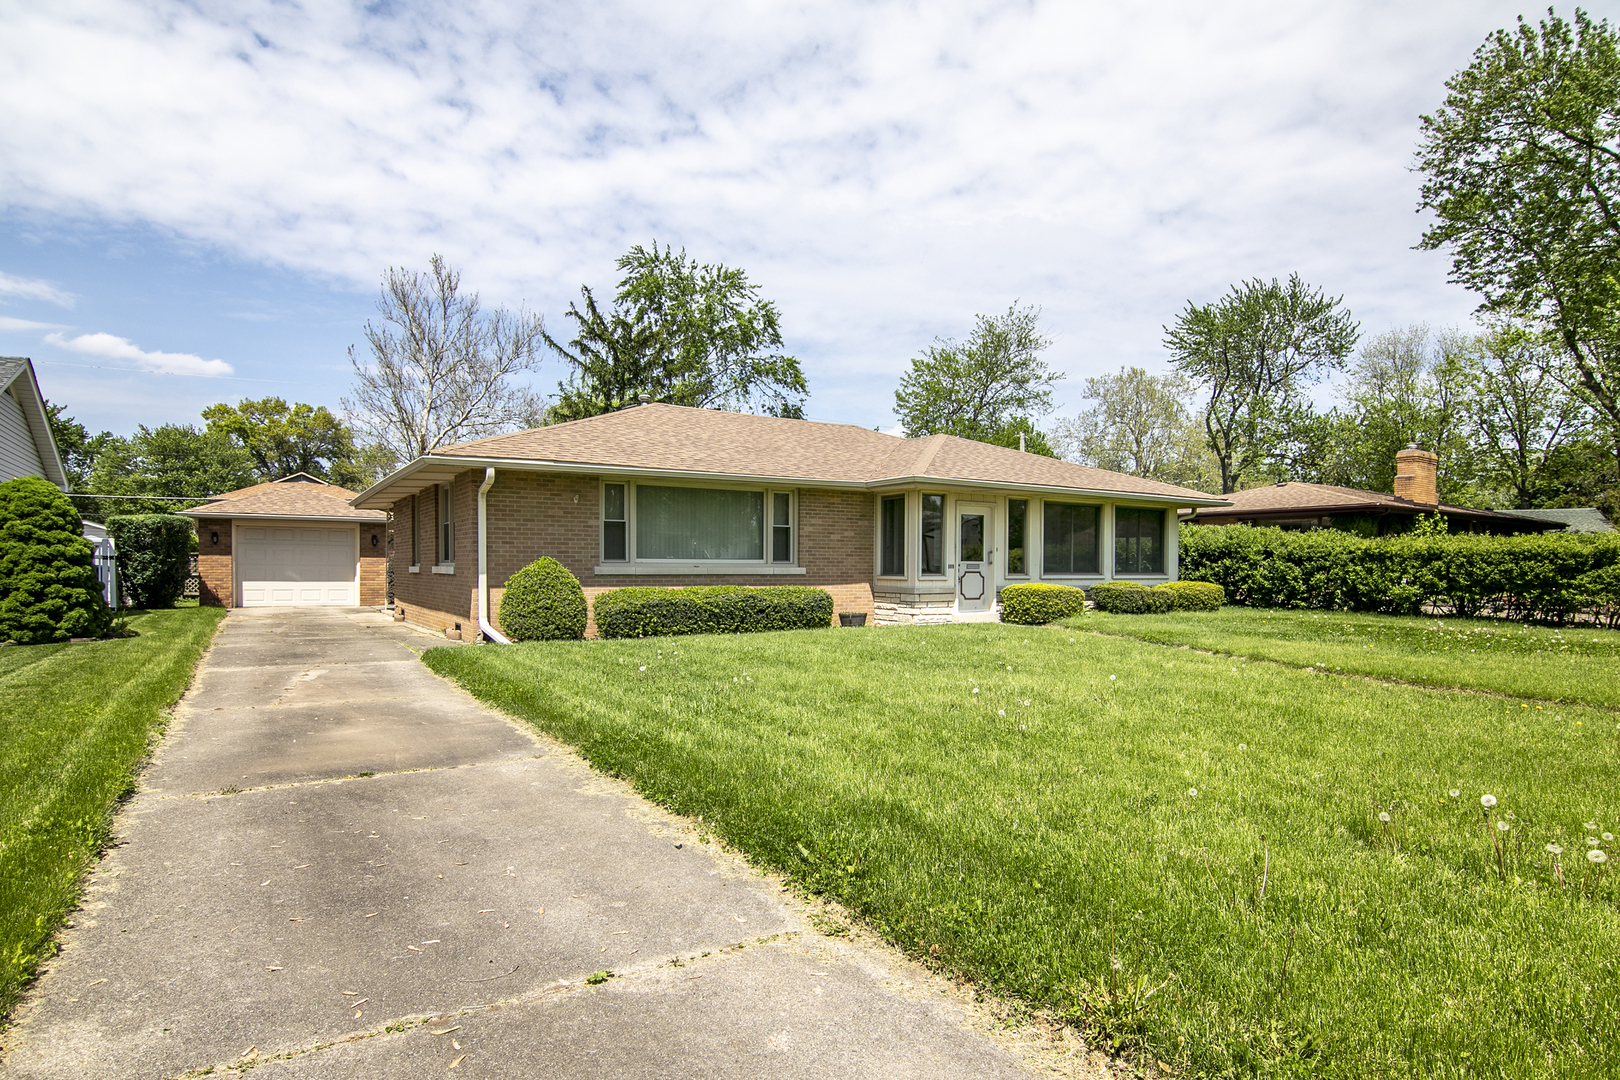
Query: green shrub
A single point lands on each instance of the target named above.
(153, 553)
(1551, 577)
(710, 609)
(1195, 595)
(1037, 605)
(1131, 598)
(543, 602)
(48, 586)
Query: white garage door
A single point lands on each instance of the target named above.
(282, 566)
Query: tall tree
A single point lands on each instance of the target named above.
(1522, 168)
(284, 439)
(680, 332)
(1252, 353)
(173, 460)
(1138, 424)
(77, 446)
(989, 387)
(441, 369)
(1523, 411)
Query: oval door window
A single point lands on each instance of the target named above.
(972, 585)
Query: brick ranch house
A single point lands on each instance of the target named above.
(907, 530)
(294, 542)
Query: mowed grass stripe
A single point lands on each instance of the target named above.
(78, 720)
(1577, 664)
(1036, 846)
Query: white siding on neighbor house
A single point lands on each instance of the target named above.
(18, 455)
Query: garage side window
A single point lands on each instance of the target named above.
(447, 527)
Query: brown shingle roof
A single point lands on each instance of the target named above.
(678, 439)
(286, 500)
(1296, 496)
(278, 485)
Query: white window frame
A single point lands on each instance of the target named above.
(634, 564)
(444, 554)
(1105, 539)
(1006, 538)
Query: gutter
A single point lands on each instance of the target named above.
(489, 631)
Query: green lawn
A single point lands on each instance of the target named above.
(77, 723)
(1042, 835)
(1571, 664)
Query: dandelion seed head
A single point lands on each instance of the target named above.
(1243, 746)
(643, 667)
(1111, 678)
(1001, 712)
(1383, 815)
(1454, 793)
(975, 689)
(1510, 816)
(1113, 962)
(1193, 792)
(1591, 826)
(1608, 838)
(1592, 841)
(1555, 849)
(1502, 826)
(1487, 801)
(1596, 856)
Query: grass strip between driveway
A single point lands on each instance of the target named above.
(1236, 868)
(78, 721)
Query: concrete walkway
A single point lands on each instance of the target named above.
(340, 865)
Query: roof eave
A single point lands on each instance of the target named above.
(39, 424)
(203, 512)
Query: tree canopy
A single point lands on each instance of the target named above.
(442, 370)
(681, 332)
(1251, 353)
(1522, 173)
(284, 439)
(1138, 424)
(990, 387)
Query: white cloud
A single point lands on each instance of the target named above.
(9, 323)
(157, 363)
(883, 170)
(33, 289)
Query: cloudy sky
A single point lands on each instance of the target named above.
(197, 200)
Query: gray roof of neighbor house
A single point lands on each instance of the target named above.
(1579, 519)
(674, 442)
(1293, 497)
(25, 435)
(289, 497)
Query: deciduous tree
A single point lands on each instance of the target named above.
(1138, 424)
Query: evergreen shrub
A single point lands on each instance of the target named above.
(710, 609)
(543, 602)
(48, 586)
(1551, 577)
(153, 553)
(1195, 595)
(1037, 604)
(1131, 598)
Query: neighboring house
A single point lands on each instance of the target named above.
(26, 445)
(1295, 505)
(1575, 519)
(293, 542)
(906, 530)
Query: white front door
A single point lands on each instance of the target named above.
(975, 580)
(292, 566)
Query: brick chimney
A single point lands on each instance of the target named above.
(1417, 475)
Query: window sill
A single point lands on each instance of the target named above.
(413, 569)
(445, 568)
(648, 569)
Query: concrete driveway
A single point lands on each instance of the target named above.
(339, 865)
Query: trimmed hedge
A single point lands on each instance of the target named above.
(48, 586)
(1037, 604)
(710, 609)
(1552, 577)
(1195, 595)
(1131, 598)
(153, 552)
(543, 602)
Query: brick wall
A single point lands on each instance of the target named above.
(549, 514)
(214, 562)
(373, 564)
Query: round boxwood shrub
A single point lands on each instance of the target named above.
(543, 602)
(1131, 598)
(153, 553)
(1195, 595)
(1038, 604)
(48, 586)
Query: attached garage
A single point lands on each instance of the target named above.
(295, 542)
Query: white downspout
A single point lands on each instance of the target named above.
(489, 631)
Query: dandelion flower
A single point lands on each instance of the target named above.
(1487, 801)
(1502, 826)
(1455, 794)
(1193, 792)
(1596, 856)
(1555, 849)
(1383, 816)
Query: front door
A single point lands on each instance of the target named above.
(975, 582)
